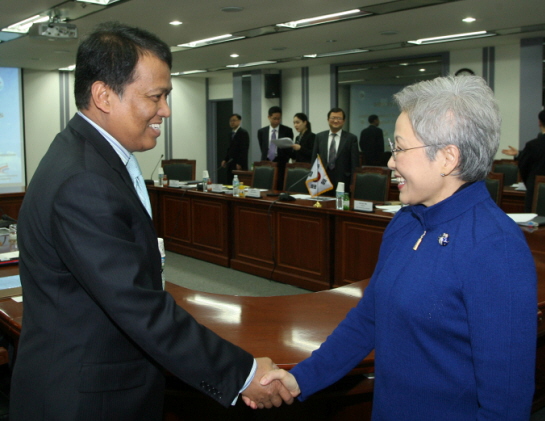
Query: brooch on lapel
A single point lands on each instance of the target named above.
(443, 239)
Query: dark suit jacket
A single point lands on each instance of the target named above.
(307, 145)
(98, 327)
(283, 155)
(372, 145)
(237, 152)
(531, 162)
(347, 157)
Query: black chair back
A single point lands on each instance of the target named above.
(371, 183)
(179, 169)
(265, 175)
(294, 180)
(494, 184)
(510, 171)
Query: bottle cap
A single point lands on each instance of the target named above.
(205, 174)
(340, 186)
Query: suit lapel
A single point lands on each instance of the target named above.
(105, 150)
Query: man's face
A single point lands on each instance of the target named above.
(234, 122)
(336, 121)
(135, 117)
(275, 119)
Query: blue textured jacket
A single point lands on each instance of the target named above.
(453, 326)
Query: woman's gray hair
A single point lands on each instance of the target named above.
(455, 110)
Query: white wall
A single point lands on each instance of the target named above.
(41, 115)
(507, 91)
(189, 120)
(220, 87)
(292, 95)
(319, 97)
(466, 59)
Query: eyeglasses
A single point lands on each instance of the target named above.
(395, 151)
(336, 118)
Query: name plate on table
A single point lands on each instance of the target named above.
(363, 206)
(256, 193)
(217, 188)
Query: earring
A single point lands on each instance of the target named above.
(443, 174)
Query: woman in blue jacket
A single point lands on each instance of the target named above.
(451, 308)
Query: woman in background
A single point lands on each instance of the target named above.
(451, 308)
(304, 142)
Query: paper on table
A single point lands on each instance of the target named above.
(10, 255)
(283, 142)
(389, 208)
(519, 186)
(521, 217)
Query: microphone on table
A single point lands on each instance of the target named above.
(286, 196)
(150, 181)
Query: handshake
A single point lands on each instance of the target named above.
(270, 386)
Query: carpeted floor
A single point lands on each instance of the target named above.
(208, 277)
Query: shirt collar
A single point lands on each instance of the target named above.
(123, 153)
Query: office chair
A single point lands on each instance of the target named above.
(265, 175)
(494, 184)
(538, 205)
(179, 169)
(294, 178)
(371, 183)
(510, 170)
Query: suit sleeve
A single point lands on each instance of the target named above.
(354, 153)
(526, 162)
(263, 144)
(104, 240)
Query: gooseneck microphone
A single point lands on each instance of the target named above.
(286, 196)
(150, 181)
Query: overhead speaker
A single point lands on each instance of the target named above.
(272, 85)
(58, 30)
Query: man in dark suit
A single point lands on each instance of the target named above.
(98, 329)
(269, 151)
(236, 157)
(338, 149)
(372, 143)
(531, 162)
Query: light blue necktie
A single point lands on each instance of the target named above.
(136, 176)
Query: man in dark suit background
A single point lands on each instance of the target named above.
(372, 143)
(98, 328)
(531, 162)
(338, 149)
(269, 151)
(236, 157)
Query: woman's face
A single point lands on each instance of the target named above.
(420, 180)
(299, 125)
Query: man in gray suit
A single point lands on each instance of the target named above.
(338, 149)
(98, 329)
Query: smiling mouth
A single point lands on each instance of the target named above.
(400, 181)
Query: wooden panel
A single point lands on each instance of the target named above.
(10, 204)
(175, 219)
(512, 200)
(209, 225)
(357, 244)
(303, 248)
(251, 239)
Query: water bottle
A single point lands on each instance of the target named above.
(160, 176)
(339, 196)
(236, 184)
(13, 238)
(205, 180)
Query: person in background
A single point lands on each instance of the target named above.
(99, 331)
(304, 142)
(451, 307)
(236, 157)
(338, 150)
(269, 151)
(372, 143)
(531, 161)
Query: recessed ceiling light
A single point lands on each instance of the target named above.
(421, 70)
(469, 19)
(175, 23)
(234, 55)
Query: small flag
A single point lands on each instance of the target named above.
(317, 181)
